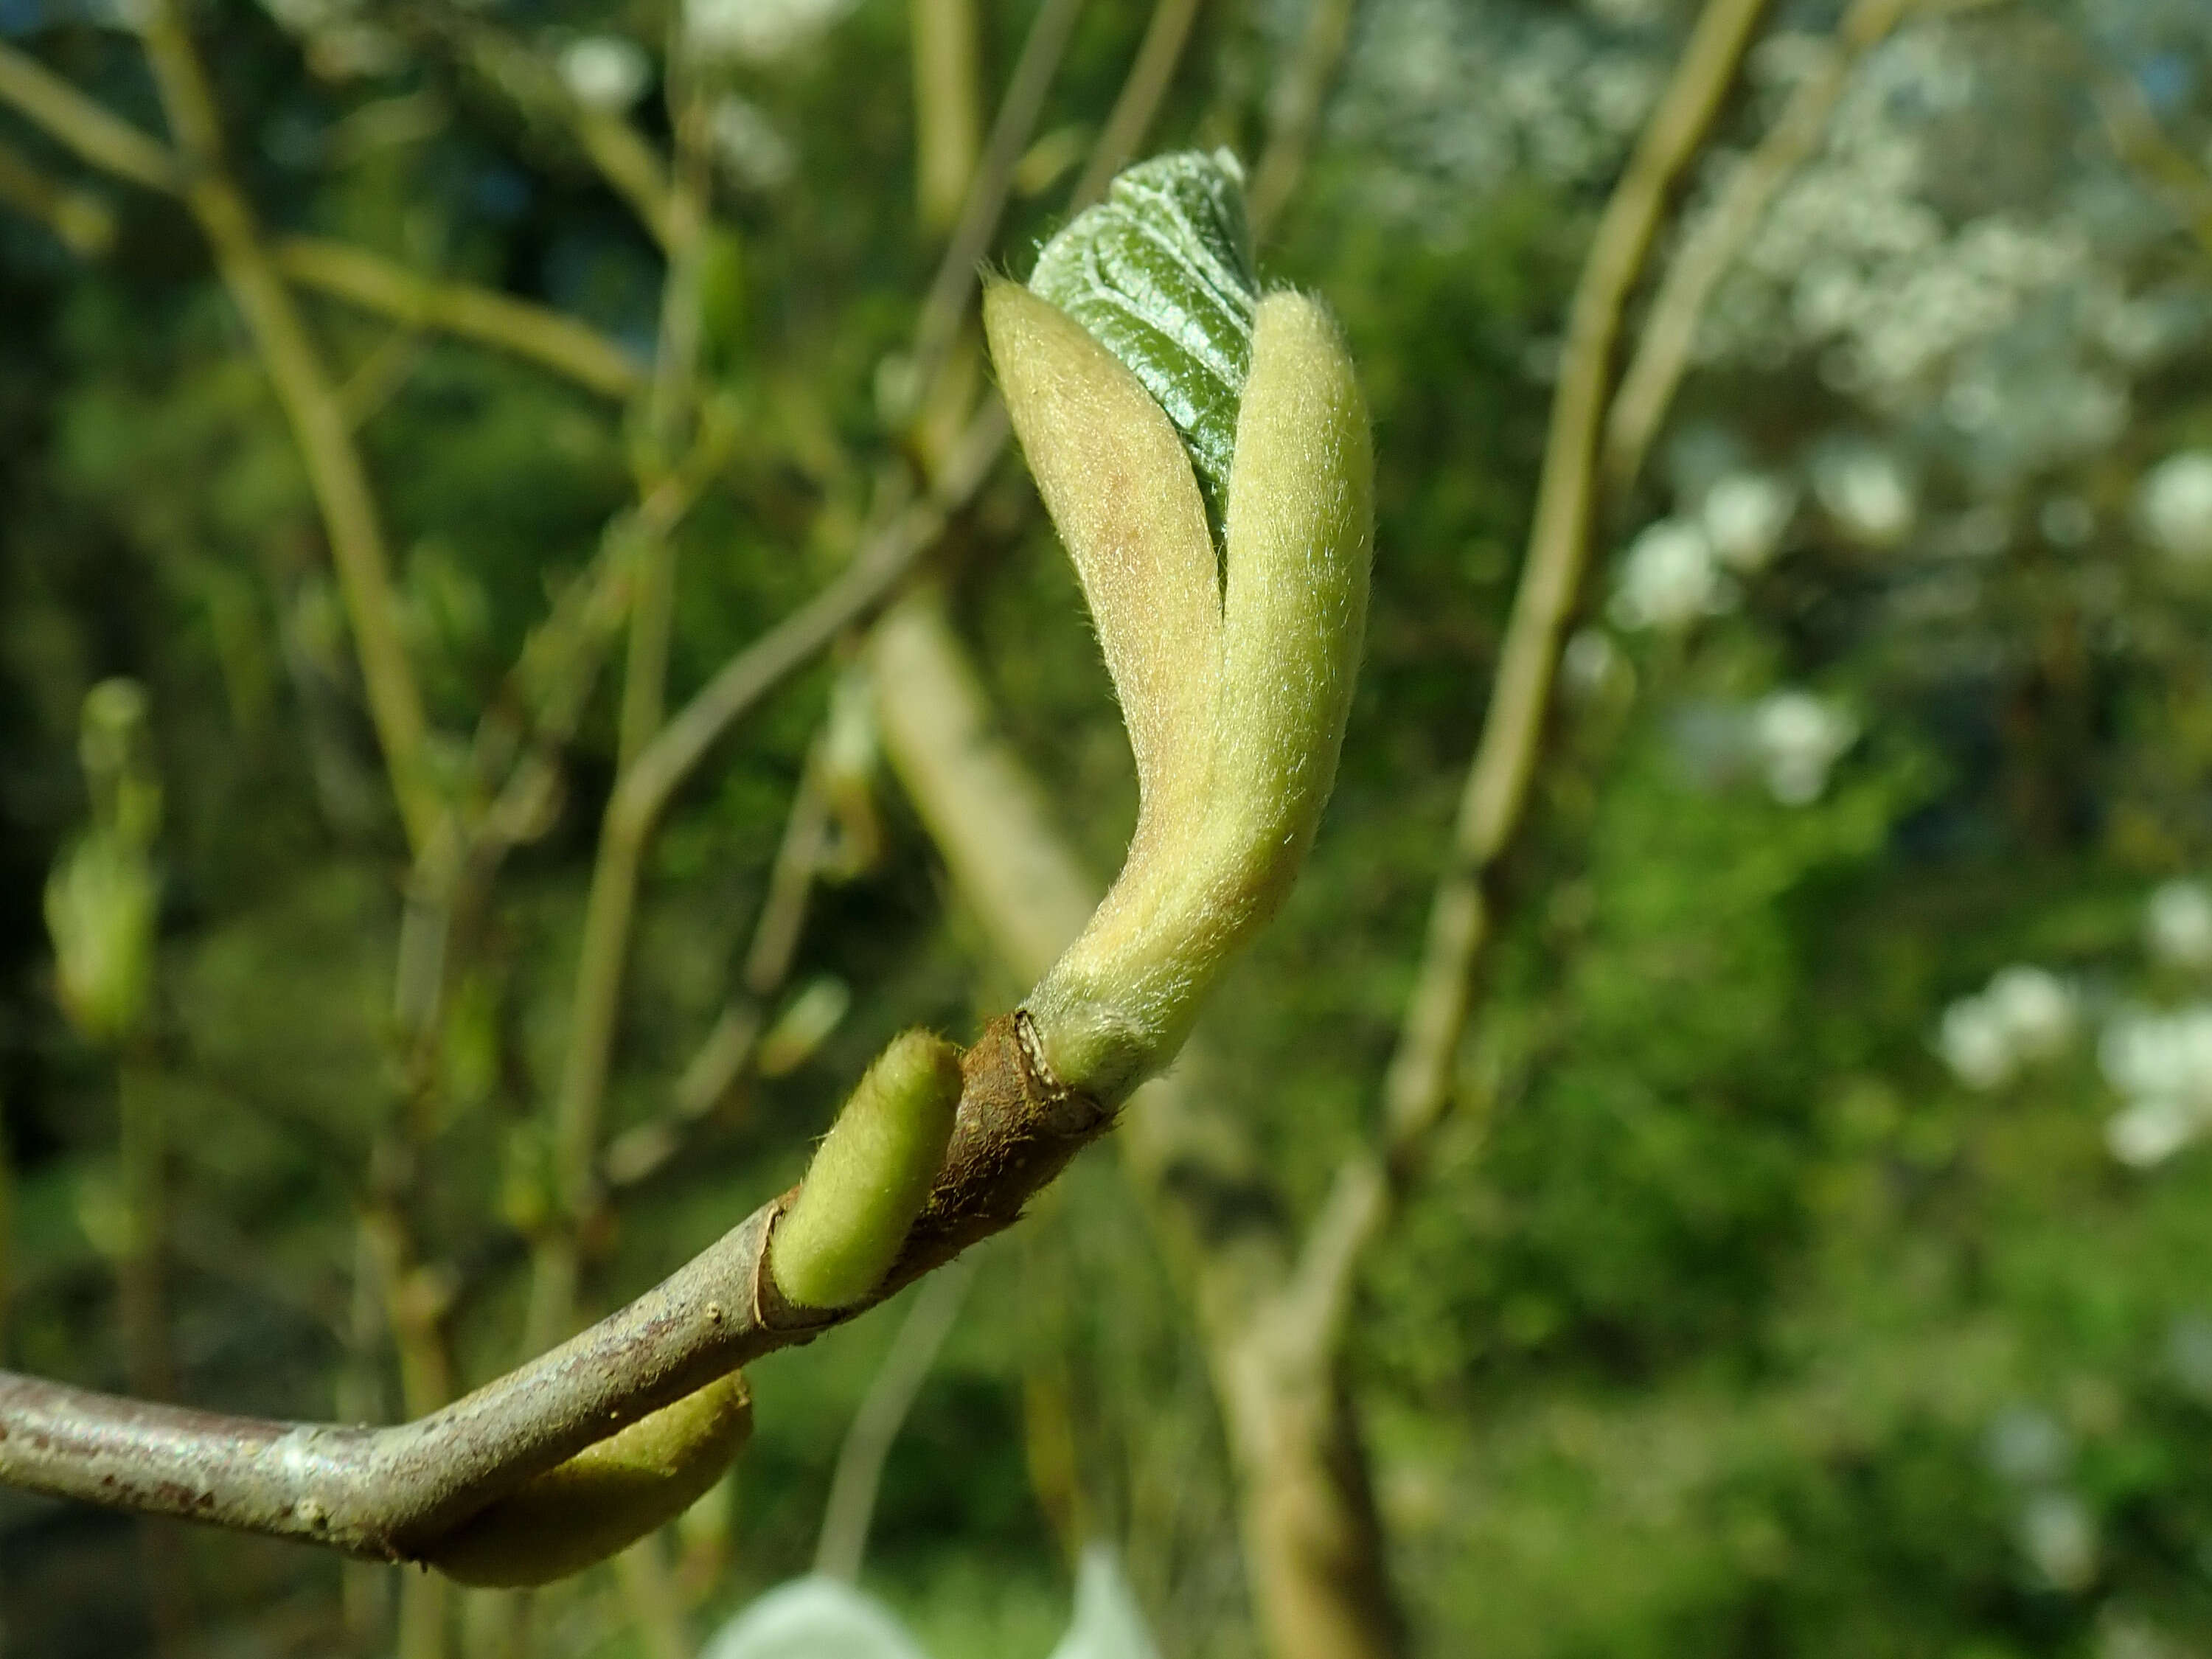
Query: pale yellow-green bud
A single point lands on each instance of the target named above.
(870, 1177)
(605, 1498)
(101, 905)
(112, 745)
(1234, 688)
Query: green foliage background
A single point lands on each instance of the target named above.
(1721, 1301)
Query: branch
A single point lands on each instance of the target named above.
(318, 421)
(603, 953)
(1670, 330)
(546, 338)
(393, 1493)
(984, 202)
(81, 220)
(1295, 110)
(1417, 1089)
(1138, 101)
(852, 1505)
(2137, 139)
(107, 141)
(632, 168)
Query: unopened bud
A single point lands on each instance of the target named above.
(1234, 683)
(605, 1498)
(100, 904)
(870, 1177)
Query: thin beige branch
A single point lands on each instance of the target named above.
(984, 202)
(948, 106)
(6, 1233)
(631, 166)
(546, 338)
(603, 954)
(850, 1510)
(84, 224)
(107, 141)
(1714, 240)
(729, 1046)
(1418, 1087)
(2138, 140)
(1295, 110)
(304, 389)
(1158, 54)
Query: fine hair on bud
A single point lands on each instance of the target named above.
(870, 1177)
(1234, 675)
(605, 1498)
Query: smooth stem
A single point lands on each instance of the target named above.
(375, 283)
(7, 1230)
(305, 390)
(603, 954)
(649, 1591)
(600, 958)
(140, 1274)
(851, 1508)
(947, 106)
(1418, 1087)
(1662, 355)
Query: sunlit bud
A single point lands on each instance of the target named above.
(1234, 670)
(605, 1498)
(101, 898)
(115, 748)
(100, 914)
(870, 1177)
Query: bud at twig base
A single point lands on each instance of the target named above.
(870, 1177)
(605, 1498)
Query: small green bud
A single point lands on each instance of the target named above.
(870, 1177)
(100, 903)
(1234, 685)
(101, 896)
(605, 1498)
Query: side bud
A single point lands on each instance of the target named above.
(102, 897)
(605, 1498)
(870, 1177)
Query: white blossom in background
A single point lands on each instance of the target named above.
(2174, 506)
(342, 42)
(1797, 739)
(1744, 515)
(1865, 492)
(2178, 924)
(1973, 1044)
(2058, 1535)
(2147, 1133)
(1589, 662)
(605, 71)
(2036, 1008)
(2161, 1064)
(757, 31)
(821, 1617)
(2027, 1446)
(747, 146)
(1669, 579)
(814, 1618)
(2025, 1015)
(2189, 1354)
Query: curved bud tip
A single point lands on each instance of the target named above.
(870, 1177)
(1116, 480)
(605, 1498)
